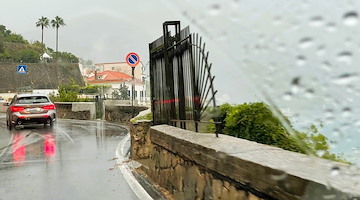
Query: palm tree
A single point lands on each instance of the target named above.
(56, 23)
(43, 22)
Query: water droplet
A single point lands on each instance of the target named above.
(287, 96)
(277, 20)
(335, 171)
(329, 197)
(296, 81)
(279, 177)
(346, 112)
(309, 93)
(215, 9)
(326, 66)
(320, 153)
(345, 57)
(316, 21)
(282, 47)
(331, 27)
(301, 60)
(346, 79)
(350, 18)
(235, 17)
(305, 42)
(321, 50)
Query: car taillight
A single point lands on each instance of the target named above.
(49, 107)
(16, 108)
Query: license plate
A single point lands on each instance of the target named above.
(33, 110)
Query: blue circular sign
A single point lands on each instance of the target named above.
(132, 59)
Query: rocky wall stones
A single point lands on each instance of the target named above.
(64, 111)
(184, 179)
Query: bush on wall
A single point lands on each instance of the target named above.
(256, 122)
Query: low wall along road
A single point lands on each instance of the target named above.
(189, 165)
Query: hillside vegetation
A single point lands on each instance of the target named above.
(14, 48)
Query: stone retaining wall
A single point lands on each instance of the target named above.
(75, 110)
(200, 166)
(121, 114)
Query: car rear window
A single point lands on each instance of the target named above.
(32, 100)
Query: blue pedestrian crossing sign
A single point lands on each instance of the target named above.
(22, 69)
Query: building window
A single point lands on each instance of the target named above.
(128, 92)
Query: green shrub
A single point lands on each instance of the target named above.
(256, 122)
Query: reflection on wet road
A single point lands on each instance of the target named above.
(74, 160)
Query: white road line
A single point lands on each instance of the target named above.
(126, 171)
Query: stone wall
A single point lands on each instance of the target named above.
(121, 114)
(39, 76)
(192, 165)
(66, 111)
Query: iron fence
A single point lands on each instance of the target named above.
(182, 88)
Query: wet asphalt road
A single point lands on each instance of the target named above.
(75, 160)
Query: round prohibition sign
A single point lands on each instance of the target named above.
(132, 59)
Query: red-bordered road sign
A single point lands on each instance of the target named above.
(132, 59)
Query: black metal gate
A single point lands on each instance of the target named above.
(181, 83)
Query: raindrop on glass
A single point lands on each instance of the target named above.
(301, 60)
(345, 57)
(321, 50)
(345, 79)
(309, 93)
(335, 171)
(295, 81)
(277, 20)
(350, 18)
(287, 96)
(305, 42)
(320, 153)
(282, 47)
(331, 27)
(346, 112)
(215, 9)
(316, 21)
(326, 66)
(279, 177)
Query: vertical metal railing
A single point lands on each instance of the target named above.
(181, 83)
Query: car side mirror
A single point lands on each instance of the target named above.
(6, 104)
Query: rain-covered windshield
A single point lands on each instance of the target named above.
(290, 63)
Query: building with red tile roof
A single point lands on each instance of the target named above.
(114, 79)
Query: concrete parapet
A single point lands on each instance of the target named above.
(200, 166)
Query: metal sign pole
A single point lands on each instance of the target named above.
(133, 90)
(132, 59)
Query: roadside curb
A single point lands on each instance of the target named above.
(127, 172)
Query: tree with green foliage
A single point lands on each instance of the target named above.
(121, 93)
(90, 89)
(2, 40)
(15, 38)
(67, 93)
(43, 22)
(66, 57)
(57, 23)
(29, 56)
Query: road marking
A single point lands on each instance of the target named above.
(126, 171)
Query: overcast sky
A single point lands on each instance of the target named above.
(249, 41)
(105, 31)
